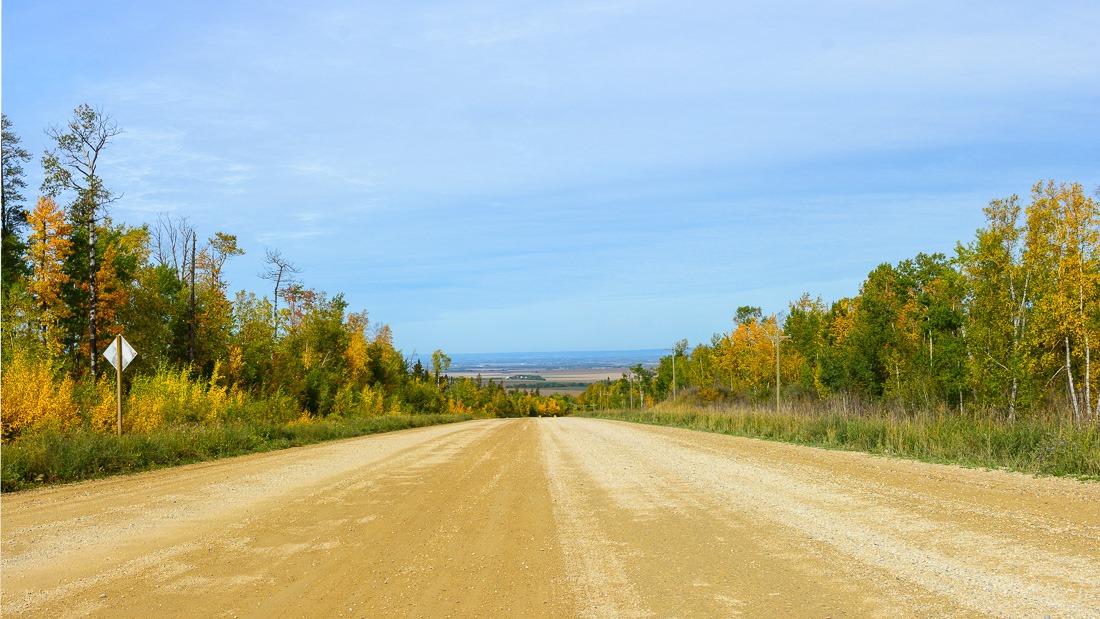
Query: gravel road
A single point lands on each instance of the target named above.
(554, 517)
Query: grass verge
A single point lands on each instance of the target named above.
(1038, 447)
(54, 457)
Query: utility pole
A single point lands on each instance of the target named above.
(191, 325)
(675, 351)
(776, 337)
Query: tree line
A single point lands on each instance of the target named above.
(1005, 327)
(73, 279)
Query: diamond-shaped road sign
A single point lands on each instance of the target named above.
(128, 352)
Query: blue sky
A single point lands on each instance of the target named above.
(525, 176)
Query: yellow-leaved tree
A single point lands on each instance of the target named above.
(50, 246)
(1064, 243)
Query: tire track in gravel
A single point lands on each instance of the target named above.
(438, 521)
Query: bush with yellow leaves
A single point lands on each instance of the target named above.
(170, 397)
(36, 395)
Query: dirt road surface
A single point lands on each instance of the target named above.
(557, 518)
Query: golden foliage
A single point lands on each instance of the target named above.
(844, 323)
(361, 402)
(98, 405)
(36, 396)
(357, 353)
(50, 246)
(170, 397)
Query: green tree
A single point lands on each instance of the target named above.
(671, 376)
(156, 318)
(252, 347)
(440, 364)
(746, 313)
(11, 201)
(805, 324)
(871, 348)
(999, 279)
(938, 291)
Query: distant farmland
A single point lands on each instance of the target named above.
(562, 381)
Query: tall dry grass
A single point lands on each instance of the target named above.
(48, 456)
(1049, 446)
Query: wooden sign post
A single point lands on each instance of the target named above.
(120, 354)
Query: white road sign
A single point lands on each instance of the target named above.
(128, 353)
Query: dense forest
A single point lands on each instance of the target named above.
(1004, 328)
(73, 279)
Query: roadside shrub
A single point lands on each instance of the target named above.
(170, 397)
(36, 396)
(96, 402)
(361, 402)
(276, 408)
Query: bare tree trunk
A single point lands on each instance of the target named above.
(1088, 378)
(1012, 399)
(170, 239)
(1072, 391)
(93, 289)
(281, 271)
(1084, 321)
(191, 326)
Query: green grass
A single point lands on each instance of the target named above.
(1038, 447)
(51, 457)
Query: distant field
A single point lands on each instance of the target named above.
(566, 372)
(571, 381)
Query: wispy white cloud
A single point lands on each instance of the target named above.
(318, 171)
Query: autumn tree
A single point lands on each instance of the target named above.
(312, 364)
(1063, 238)
(73, 166)
(210, 314)
(999, 308)
(49, 248)
(356, 354)
(702, 367)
